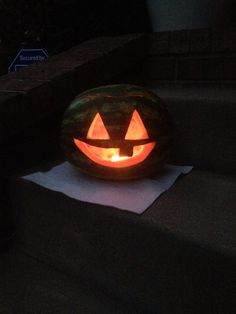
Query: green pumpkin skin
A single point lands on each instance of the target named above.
(116, 104)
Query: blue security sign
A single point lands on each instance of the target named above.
(26, 57)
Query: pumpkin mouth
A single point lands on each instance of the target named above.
(112, 157)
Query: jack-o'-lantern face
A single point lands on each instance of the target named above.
(117, 132)
(131, 150)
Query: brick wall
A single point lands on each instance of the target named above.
(201, 54)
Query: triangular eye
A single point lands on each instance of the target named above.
(97, 129)
(136, 129)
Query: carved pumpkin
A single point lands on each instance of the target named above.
(117, 132)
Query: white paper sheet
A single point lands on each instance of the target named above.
(134, 196)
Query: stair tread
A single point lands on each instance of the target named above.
(187, 233)
(219, 92)
(212, 93)
(200, 206)
(30, 286)
(204, 124)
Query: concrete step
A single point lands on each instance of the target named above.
(204, 117)
(30, 286)
(177, 257)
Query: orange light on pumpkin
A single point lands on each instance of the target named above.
(97, 129)
(110, 157)
(136, 129)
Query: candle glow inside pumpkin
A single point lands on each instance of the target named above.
(111, 157)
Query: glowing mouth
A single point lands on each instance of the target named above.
(110, 157)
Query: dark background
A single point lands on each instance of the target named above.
(56, 25)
